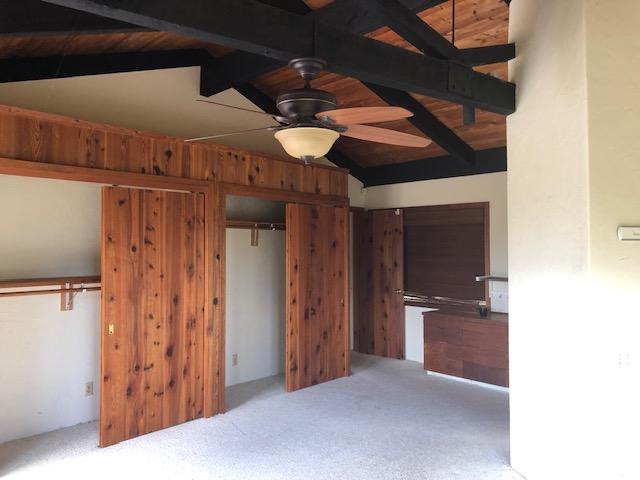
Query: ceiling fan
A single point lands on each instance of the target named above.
(310, 123)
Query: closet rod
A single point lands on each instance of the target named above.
(44, 282)
(49, 292)
(248, 224)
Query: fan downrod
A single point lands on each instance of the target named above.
(308, 68)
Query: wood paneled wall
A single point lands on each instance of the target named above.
(153, 306)
(40, 137)
(86, 151)
(363, 340)
(317, 323)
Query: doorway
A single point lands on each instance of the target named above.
(50, 341)
(255, 296)
(316, 344)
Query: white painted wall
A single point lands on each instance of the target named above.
(414, 333)
(49, 228)
(573, 178)
(46, 356)
(255, 305)
(490, 188)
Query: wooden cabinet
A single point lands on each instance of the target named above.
(462, 344)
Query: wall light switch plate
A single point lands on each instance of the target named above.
(88, 389)
(234, 359)
(628, 233)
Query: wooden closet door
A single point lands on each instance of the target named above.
(317, 323)
(387, 277)
(152, 311)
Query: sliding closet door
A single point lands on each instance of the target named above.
(152, 311)
(317, 323)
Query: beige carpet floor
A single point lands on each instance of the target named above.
(389, 420)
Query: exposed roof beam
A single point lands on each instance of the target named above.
(242, 67)
(251, 26)
(489, 54)
(487, 161)
(42, 68)
(35, 18)
(428, 123)
(425, 38)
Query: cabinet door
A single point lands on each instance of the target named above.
(152, 311)
(317, 323)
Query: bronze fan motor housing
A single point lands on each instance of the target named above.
(303, 104)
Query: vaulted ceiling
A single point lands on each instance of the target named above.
(35, 37)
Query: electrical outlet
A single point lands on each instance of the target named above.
(88, 389)
(234, 359)
(624, 360)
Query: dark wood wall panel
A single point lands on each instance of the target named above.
(362, 282)
(446, 246)
(388, 263)
(317, 323)
(153, 281)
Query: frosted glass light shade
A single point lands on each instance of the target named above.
(303, 142)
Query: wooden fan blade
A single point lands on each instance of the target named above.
(384, 135)
(209, 137)
(349, 116)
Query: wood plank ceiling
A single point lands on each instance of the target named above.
(478, 23)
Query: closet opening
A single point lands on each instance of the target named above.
(255, 298)
(49, 307)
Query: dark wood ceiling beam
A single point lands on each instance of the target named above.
(242, 67)
(428, 123)
(266, 103)
(251, 26)
(487, 161)
(425, 38)
(35, 18)
(489, 54)
(42, 68)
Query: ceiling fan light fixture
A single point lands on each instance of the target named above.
(306, 142)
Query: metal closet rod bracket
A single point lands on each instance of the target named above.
(67, 288)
